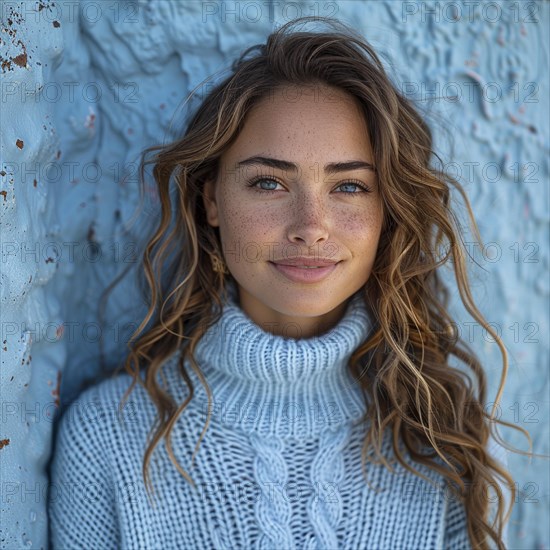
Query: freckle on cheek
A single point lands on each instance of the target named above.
(357, 222)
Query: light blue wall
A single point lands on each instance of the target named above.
(102, 80)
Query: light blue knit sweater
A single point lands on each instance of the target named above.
(280, 465)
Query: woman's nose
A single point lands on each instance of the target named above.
(309, 219)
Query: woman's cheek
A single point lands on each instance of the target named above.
(246, 230)
(358, 224)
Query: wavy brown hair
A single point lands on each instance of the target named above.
(404, 366)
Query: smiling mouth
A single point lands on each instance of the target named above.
(305, 274)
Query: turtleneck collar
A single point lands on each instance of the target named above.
(274, 385)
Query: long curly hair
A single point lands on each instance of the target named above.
(404, 366)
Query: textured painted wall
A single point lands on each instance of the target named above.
(31, 360)
(86, 85)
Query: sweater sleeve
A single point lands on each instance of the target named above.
(456, 531)
(81, 502)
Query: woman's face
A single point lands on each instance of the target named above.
(310, 210)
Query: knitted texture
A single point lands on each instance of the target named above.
(279, 467)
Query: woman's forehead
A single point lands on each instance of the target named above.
(305, 127)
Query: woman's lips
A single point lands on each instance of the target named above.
(305, 275)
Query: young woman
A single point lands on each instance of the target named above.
(297, 356)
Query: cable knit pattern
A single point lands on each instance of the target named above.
(279, 466)
(272, 511)
(325, 511)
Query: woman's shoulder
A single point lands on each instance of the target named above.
(100, 399)
(108, 415)
(120, 401)
(108, 392)
(99, 410)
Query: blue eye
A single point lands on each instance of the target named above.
(254, 182)
(356, 184)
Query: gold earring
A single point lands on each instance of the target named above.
(218, 265)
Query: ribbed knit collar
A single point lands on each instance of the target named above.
(274, 385)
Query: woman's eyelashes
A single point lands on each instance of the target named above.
(253, 183)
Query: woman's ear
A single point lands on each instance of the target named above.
(210, 203)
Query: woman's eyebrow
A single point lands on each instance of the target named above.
(330, 168)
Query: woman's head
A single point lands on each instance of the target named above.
(312, 99)
(299, 181)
